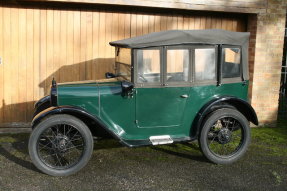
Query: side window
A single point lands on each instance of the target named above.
(231, 62)
(177, 65)
(204, 64)
(148, 62)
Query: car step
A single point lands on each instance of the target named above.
(160, 140)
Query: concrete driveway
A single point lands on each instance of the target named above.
(170, 167)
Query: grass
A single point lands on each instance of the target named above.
(271, 139)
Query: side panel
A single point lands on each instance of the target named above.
(117, 110)
(160, 107)
(85, 96)
(201, 95)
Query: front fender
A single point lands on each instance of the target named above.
(42, 104)
(77, 112)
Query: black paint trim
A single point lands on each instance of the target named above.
(79, 112)
(75, 111)
(223, 102)
(42, 101)
(42, 104)
(54, 93)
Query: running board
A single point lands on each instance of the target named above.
(160, 140)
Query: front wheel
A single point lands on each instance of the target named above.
(225, 136)
(60, 145)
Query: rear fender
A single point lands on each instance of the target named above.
(223, 102)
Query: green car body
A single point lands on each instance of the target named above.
(151, 111)
(135, 116)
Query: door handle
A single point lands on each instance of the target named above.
(184, 96)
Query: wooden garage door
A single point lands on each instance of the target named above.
(73, 44)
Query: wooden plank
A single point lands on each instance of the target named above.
(127, 25)
(234, 24)
(102, 44)
(151, 20)
(180, 22)
(30, 62)
(89, 50)
(174, 22)
(133, 24)
(7, 64)
(240, 6)
(43, 51)
(169, 21)
(56, 44)
(185, 22)
(69, 70)
(191, 23)
(219, 23)
(139, 26)
(197, 22)
(36, 60)
(145, 24)
(109, 52)
(50, 59)
(96, 40)
(208, 23)
(224, 24)
(63, 47)
(14, 63)
(202, 22)
(115, 28)
(163, 23)
(77, 45)
(1, 65)
(83, 45)
(229, 24)
(157, 23)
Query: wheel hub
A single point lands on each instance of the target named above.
(224, 136)
(61, 142)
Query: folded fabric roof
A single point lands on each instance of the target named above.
(174, 37)
(179, 37)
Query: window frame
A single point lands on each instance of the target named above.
(222, 58)
(190, 68)
(163, 66)
(131, 65)
(135, 68)
(205, 82)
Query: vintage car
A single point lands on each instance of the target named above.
(167, 87)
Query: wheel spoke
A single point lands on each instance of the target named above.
(228, 139)
(61, 146)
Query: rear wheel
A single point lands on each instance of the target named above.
(225, 136)
(60, 145)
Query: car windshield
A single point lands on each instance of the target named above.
(123, 63)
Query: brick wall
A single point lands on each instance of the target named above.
(266, 51)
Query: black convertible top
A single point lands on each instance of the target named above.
(178, 37)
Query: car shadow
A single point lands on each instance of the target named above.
(16, 152)
(169, 149)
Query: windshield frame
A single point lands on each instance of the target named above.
(119, 64)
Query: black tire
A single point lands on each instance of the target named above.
(229, 129)
(55, 136)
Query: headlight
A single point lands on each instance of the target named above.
(53, 93)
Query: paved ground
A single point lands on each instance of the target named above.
(172, 167)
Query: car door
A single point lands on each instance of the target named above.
(162, 86)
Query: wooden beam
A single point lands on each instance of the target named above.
(236, 6)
